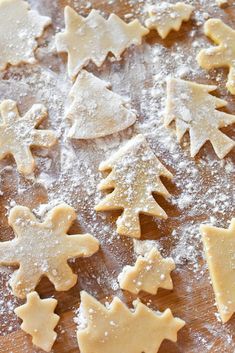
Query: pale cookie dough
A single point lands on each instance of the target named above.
(39, 320)
(43, 249)
(222, 3)
(18, 134)
(92, 38)
(219, 246)
(19, 28)
(224, 54)
(165, 17)
(116, 328)
(89, 113)
(194, 109)
(150, 272)
(134, 175)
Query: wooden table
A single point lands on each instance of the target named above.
(211, 191)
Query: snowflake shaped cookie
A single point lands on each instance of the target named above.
(43, 249)
(222, 55)
(19, 28)
(18, 134)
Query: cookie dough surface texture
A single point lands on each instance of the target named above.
(219, 246)
(18, 134)
(150, 272)
(92, 38)
(223, 55)
(89, 113)
(134, 175)
(19, 28)
(165, 17)
(194, 109)
(116, 328)
(43, 249)
(39, 320)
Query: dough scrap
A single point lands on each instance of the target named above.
(39, 320)
(165, 17)
(135, 176)
(116, 329)
(43, 249)
(219, 246)
(93, 37)
(89, 112)
(19, 28)
(150, 272)
(224, 54)
(193, 109)
(18, 134)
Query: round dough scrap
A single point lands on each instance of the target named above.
(19, 28)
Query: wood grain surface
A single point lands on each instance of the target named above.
(192, 298)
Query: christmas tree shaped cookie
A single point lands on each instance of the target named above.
(43, 249)
(150, 272)
(19, 28)
(39, 320)
(19, 133)
(194, 109)
(89, 113)
(92, 38)
(222, 55)
(219, 246)
(116, 329)
(135, 176)
(165, 17)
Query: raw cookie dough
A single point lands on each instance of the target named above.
(194, 109)
(89, 112)
(150, 272)
(19, 28)
(116, 328)
(224, 54)
(165, 16)
(18, 134)
(93, 37)
(134, 175)
(39, 320)
(43, 249)
(219, 246)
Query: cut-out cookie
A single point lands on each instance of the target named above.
(222, 3)
(39, 320)
(150, 272)
(165, 17)
(89, 112)
(116, 329)
(92, 38)
(19, 28)
(18, 134)
(135, 176)
(194, 109)
(43, 249)
(224, 54)
(219, 246)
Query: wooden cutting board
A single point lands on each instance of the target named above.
(192, 298)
